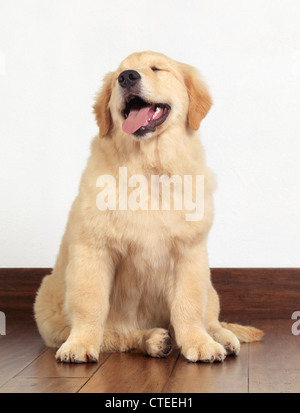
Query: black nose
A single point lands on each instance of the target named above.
(128, 78)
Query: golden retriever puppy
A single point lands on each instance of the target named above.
(133, 263)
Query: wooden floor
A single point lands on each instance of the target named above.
(273, 365)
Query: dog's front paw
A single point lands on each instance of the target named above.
(158, 342)
(77, 352)
(207, 352)
(228, 340)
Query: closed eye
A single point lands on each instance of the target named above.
(155, 69)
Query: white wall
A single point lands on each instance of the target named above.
(53, 55)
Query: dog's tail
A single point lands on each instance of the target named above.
(245, 334)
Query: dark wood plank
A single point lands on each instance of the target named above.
(18, 288)
(257, 293)
(274, 363)
(18, 348)
(3, 380)
(231, 376)
(46, 366)
(14, 357)
(26, 365)
(21, 279)
(131, 373)
(42, 385)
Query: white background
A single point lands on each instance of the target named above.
(53, 56)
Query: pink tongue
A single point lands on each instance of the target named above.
(137, 118)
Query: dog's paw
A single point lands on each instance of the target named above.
(228, 340)
(207, 352)
(158, 342)
(76, 352)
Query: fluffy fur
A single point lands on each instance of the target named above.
(124, 278)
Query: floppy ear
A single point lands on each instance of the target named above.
(200, 99)
(101, 109)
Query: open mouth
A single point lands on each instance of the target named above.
(142, 117)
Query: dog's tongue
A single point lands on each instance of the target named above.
(137, 118)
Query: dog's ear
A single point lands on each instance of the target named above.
(101, 109)
(200, 99)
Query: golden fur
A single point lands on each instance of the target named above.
(123, 278)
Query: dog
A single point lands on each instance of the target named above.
(138, 278)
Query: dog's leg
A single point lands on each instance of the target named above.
(88, 280)
(188, 304)
(214, 328)
(156, 342)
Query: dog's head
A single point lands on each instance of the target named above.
(149, 93)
